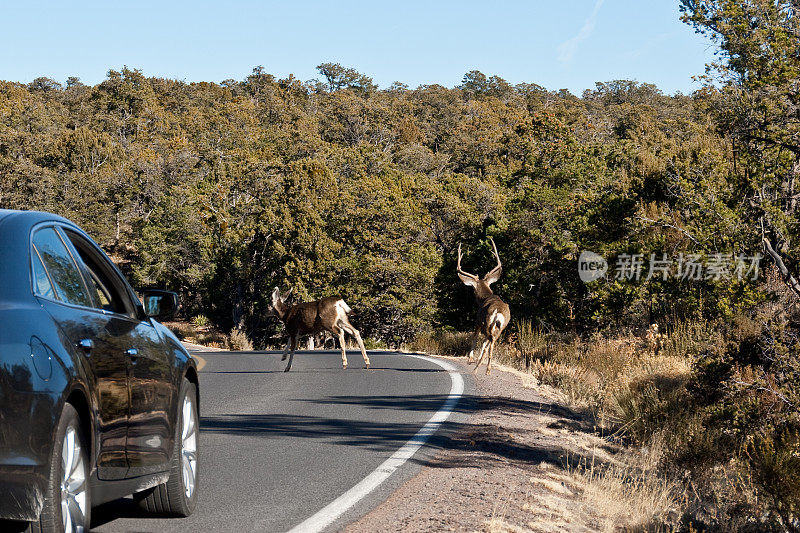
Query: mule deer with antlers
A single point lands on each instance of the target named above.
(309, 318)
(493, 313)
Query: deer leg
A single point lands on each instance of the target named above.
(354, 332)
(480, 356)
(489, 363)
(291, 353)
(286, 351)
(342, 346)
(472, 350)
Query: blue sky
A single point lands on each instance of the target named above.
(569, 44)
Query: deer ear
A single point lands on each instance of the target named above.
(493, 276)
(287, 294)
(276, 295)
(468, 280)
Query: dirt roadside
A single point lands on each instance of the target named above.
(508, 468)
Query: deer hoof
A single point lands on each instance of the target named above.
(367, 366)
(344, 367)
(286, 370)
(488, 371)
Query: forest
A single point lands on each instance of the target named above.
(335, 186)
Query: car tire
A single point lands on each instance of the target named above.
(178, 496)
(67, 503)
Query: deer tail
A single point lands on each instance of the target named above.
(496, 322)
(344, 307)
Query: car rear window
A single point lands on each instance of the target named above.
(60, 267)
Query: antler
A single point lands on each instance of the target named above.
(458, 266)
(494, 273)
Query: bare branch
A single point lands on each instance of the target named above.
(775, 393)
(671, 226)
(788, 278)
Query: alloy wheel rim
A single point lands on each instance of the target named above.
(189, 447)
(73, 484)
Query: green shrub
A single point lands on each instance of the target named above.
(775, 460)
(688, 338)
(200, 321)
(374, 344)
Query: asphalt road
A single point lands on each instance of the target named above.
(277, 447)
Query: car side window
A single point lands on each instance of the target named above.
(60, 267)
(108, 290)
(41, 283)
(104, 297)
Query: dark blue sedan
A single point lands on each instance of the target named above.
(97, 399)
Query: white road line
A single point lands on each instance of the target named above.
(201, 362)
(328, 514)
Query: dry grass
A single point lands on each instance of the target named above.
(626, 382)
(631, 496)
(641, 399)
(237, 340)
(633, 387)
(199, 332)
(442, 343)
(629, 387)
(621, 495)
(200, 335)
(531, 342)
(580, 386)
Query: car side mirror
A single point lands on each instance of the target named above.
(161, 305)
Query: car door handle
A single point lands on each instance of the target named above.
(86, 345)
(133, 353)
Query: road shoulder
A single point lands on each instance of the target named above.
(506, 468)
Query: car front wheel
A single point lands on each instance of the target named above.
(178, 496)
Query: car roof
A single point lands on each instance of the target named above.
(30, 218)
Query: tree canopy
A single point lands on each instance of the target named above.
(223, 191)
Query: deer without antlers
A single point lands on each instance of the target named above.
(493, 313)
(310, 318)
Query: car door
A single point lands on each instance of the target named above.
(153, 404)
(92, 337)
(151, 411)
